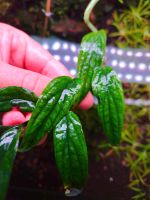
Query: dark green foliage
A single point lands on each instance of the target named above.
(108, 90)
(4, 128)
(9, 142)
(91, 57)
(51, 112)
(71, 152)
(55, 102)
(14, 92)
(17, 96)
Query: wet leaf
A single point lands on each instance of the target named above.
(9, 141)
(71, 153)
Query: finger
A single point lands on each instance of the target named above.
(28, 116)
(15, 117)
(12, 118)
(23, 52)
(87, 102)
(43, 140)
(10, 75)
(18, 49)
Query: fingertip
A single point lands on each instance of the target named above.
(27, 116)
(87, 102)
(12, 118)
(42, 140)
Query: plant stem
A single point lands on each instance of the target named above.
(87, 13)
(47, 10)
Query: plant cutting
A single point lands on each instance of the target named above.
(52, 112)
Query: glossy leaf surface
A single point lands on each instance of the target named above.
(4, 128)
(108, 90)
(71, 152)
(15, 92)
(55, 102)
(9, 141)
(17, 96)
(91, 56)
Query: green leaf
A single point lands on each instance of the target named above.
(8, 147)
(54, 103)
(14, 92)
(91, 56)
(71, 153)
(108, 90)
(4, 128)
(5, 106)
(121, 1)
(17, 96)
(24, 105)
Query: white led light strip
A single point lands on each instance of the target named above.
(137, 102)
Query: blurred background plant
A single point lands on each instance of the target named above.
(134, 150)
(133, 25)
(127, 23)
(4, 6)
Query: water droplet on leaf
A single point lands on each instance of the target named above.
(72, 192)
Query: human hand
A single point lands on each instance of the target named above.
(23, 62)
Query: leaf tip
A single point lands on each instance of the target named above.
(72, 192)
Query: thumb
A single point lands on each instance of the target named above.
(10, 75)
(13, 117)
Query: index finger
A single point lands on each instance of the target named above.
(22, 51)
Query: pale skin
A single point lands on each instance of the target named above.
(23, 62)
